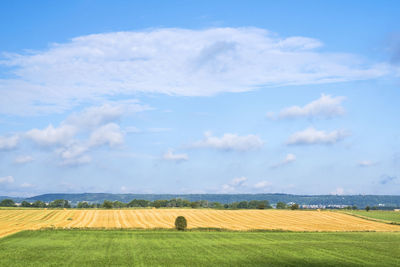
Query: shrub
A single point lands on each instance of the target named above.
(367, 208)
(294, 206)
(180, 223)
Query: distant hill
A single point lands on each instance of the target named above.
(358, 200)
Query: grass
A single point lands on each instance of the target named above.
(198, 248)
(388, 216)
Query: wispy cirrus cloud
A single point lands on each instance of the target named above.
(169, 61)
(7, 180)
(288, 159)
(23, 159)
(366, 163)
(387, 179)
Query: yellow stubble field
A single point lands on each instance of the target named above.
(14, 220)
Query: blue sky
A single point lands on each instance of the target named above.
(200, 97)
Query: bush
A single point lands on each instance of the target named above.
(294, 206)
(180, 223)
(367, 208)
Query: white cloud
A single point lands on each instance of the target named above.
(239, 181)
(109, 134)
(7, 143)
(311, 136)
(23, 159)
(52, 136)
(79, 160)
(7, 180)
(366, 163)
(72, 151)
(83, 131)
(324, 107)
(230, 142)
(234, 185)
(262, 184)
(110, 112)
(170, 61)
(288, 159)
(171, 156)
(74, 154)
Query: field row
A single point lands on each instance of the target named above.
(12, 221)
(172, 248)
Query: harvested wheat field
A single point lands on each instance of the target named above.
(15, 220)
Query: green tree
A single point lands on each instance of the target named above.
(367, 208)
(261, 206)
(7, 203)
(107, 204)
(139, 203)
(294, 206)
(281, 205)
(243, 205)
(25, 204)
(194, 204)
(83, 205)
(39, 204)
(180, 223)
(59, 203)
(118, 204)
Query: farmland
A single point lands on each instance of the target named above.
(198, 248)
(15, 220)
(387, 216)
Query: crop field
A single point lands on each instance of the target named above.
(198, 248)
(388, 216)
(14, 220)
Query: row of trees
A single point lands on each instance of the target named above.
(59, 203)
(179, 203)
(172, 203)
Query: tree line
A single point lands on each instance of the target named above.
(172, 203)
(141, 203)
(58, 203)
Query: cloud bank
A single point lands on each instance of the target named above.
(169, 61)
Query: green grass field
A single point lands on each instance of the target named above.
(198, 248)
(390, 216)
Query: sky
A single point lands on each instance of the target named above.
(298, 97)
